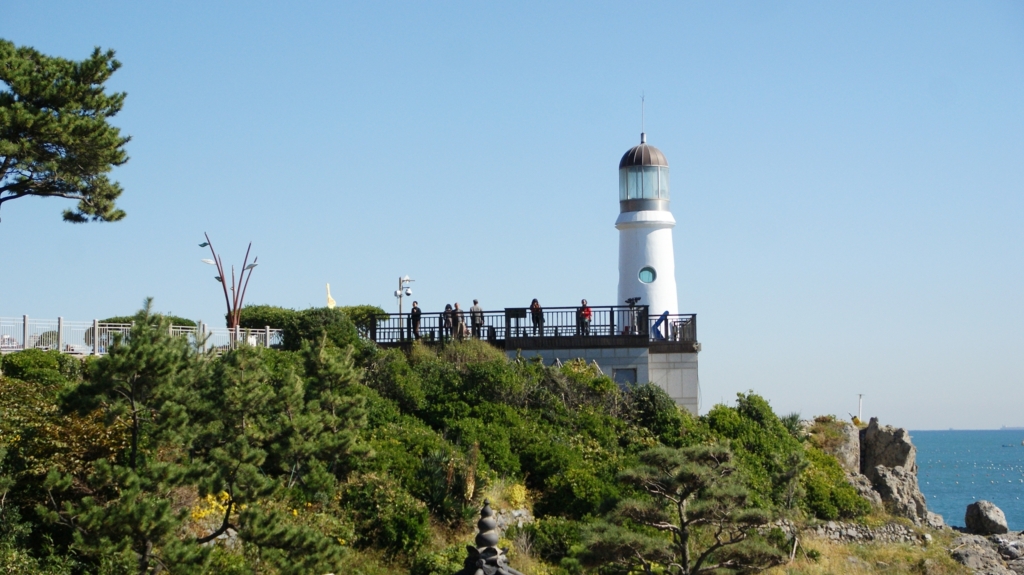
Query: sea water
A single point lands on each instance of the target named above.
(957, 468)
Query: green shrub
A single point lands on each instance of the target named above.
(451, 482)
(496, 381)
(578, 491)
(390, 374)
(444, 562)
(554, 537)
(401, 446)
(649, 406)
(42, 376)
(494, 434)
(573, 475)
(34, 365)
(471, 351)
(765, 451)
(71, 367)
(829, 495)
(385, 515)
(380, 411)
(175, 320)
(826, 433)
(364, 316)
(261, 316)
(314, 324)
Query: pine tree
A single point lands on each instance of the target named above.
(123, 505)
(55, 138)
(265, 435)
(235, 415)
(693, 496)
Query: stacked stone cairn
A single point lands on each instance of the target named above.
(486, 558)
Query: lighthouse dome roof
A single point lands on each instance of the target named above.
(643, 155)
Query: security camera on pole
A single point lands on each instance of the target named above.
(403, 290)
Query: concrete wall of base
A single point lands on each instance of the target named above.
(676, 373)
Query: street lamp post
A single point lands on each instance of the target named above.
(235, 301)
(403, 290)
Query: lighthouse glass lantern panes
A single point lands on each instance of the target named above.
(643, 183)
(650, 190)
(648, 275)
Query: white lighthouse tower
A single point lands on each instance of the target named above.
(647, 266)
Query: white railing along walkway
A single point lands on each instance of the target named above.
(93, 338)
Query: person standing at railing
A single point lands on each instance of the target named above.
(583, 316)
(414, 316)
(447, 320)
(460, 322)
(476, 318)
(537, 316)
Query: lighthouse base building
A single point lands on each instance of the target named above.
(672, 368)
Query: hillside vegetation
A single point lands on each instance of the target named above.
(334, 456)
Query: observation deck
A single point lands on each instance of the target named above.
(518, 328)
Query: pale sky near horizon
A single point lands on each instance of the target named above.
(847, 177)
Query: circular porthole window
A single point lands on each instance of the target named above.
(648, 275)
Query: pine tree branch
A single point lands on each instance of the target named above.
(223, 527)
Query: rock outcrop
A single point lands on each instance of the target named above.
(889, 460)
(848, 452)
(935, 521)
(899, 490)
(984, 518)
(864, 488)
(886, 446)
(512, 518)
(993, 555)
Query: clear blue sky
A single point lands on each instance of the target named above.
(848, 178)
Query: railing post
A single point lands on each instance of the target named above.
(24, 332)
(266, 336)
(611, 320)
(95, 337)
(60, 334)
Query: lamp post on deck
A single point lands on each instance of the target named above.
(237, 297)
(403, 290)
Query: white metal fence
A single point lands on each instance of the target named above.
(93, 338)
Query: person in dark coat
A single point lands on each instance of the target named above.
(447, 319)
(414, 315)
(537, 317)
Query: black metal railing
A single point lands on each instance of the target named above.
(438, 326)
(513, 324)
(678, 327)
(605, 321)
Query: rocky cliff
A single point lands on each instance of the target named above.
(881, 463)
